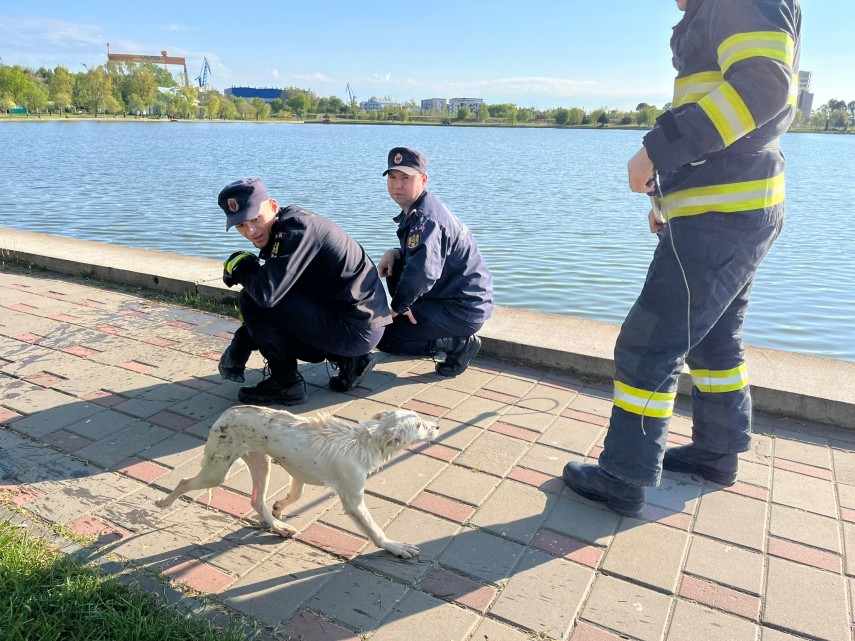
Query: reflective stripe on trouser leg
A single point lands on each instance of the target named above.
(720, 253)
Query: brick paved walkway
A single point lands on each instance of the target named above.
(106, 399)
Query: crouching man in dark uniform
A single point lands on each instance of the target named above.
(442, 292)
(316, 296)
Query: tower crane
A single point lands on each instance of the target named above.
(351, 96)
(202, 78)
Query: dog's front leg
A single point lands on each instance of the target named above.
(354, 506)
(295, 491)
(259, 468)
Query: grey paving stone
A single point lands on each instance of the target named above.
(572, 435)
(844, 465)
(802, 448)
(102, 424)
(80, 497)
(489, 630)
(647, 553)
(544, 594)
(627, 608)
(846, 495)
(362, 409)
(527, 418)
(420, 616)
(469, 381)
(583, 521)
(692, 621)
(358, 599)
(142, 408)
(760, 451)
(482, 556)
(675, 492)
(47, 421)
(36, 400)
(279, 587)
(770, 634)
(441, 396)
(590, 403)
(514, 511)
(175, 451)
(804, 492)
(430, 533)
(137, 512)
(201, 406)
(546, 398)
(463, 484)
(547, 460)
(457, 435)
(510, 385)
(805, 527)
(806, 601)
(118, 446)
(477, 411)
(402, 478)
(755, 473)
(733, 518)
(382, 511)
(9, 439)
(24, 457)
(727, 564)
(849, 547)
(493, 453)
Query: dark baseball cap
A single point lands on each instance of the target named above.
(407, 160)
(241, 200)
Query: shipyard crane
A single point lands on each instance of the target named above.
(351, 96)
(202, 78)
(163, 59)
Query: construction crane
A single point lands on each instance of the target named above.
(202, 78)
(351, 96)
(163, 59)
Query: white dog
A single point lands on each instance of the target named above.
(321, 450)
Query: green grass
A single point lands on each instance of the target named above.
(47, 596)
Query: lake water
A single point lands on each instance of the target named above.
(550, 208)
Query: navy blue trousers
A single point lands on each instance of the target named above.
(720, 254)
(434, 322)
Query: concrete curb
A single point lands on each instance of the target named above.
(785, 383)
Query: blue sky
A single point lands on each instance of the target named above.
(552, 53)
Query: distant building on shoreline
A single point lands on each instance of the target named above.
(804, 102)
(434, 104)
(268, 95)
(377, 105)
(472, 104)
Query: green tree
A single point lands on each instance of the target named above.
(14, 82)
(136, 105)
(60, 88)
(561, 116)
(299, 103)
(35, 97)
(525, 115)
(262, 109)
(228, 110)
(575, 117)
(162, 76)
(603, 119)
(463, 113)
(93, 90)
(483, 113)
(276, 105)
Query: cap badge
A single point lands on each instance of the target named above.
(233, 204)
(398, 159)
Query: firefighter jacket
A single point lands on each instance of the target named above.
(311, 255)
(716, 149)
(441, 262)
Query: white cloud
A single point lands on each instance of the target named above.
(274, 73)
(174, 27)
(378, 77)
(313, 77)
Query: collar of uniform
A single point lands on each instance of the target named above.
(264, 254)
(403, 217)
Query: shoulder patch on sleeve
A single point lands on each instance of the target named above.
(413, 240)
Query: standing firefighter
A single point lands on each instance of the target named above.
(720, 188)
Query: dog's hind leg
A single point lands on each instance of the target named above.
(259, 468)
(354, 506)
(212, 474)
(295, 491)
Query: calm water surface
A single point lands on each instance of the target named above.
(550, 208)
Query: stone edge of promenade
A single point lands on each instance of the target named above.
(785, 383)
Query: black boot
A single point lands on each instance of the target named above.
(714, 467)
(351, 371)
(290, 390)
(458, 353)
(233, 361)
(594, 483)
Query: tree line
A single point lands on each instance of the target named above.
(146, 89)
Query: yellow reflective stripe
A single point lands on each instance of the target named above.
(776, 45)
(726, 198)
(728, 112)
(644, 402)
(690, 89)
(717, 381)
(230, 264)
(793, 98)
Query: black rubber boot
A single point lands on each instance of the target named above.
(271, 391)
(233, 361)
(351, 371)
(458, 354)
(712, 466)
(594, 483)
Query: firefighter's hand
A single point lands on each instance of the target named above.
(408, 313)
(641, 172)
(237, 265)
(387, 263)
(655, 225)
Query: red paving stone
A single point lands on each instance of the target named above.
(7, 416)
(567, 548)
(434, 450)
(537, 479)
(214, 356)
(88, 302)
(32, 339)
(585, 632)
(78, 350)
(673, 519)
(804, 554)
(585, 417)
(497, 396)
(134, 313)
(744, 489)
(64, 318)
(200, 576)
(66, 440)
(333, 541)
(225, 501)
(453, 587)
(595, 452)
(443, 507)
(197, 383)
(307, 626)
(720, 597)
(144, 471)
(21, 307)
(225, 335)
(104, 398)
(4, 363)
(801, 468)
(159, 342)
(103, 533)
(565, 385)
(136, 366)
(171, 421)
(111, 329)
(425, 408)
(43, 379)
(678, 439)
(180, 325)
(514, 431)
(845, 513)
(19, 494)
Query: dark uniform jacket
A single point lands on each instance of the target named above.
(737, 80)
(311, 255)
(441, 262)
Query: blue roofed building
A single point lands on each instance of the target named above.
(267, 94)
